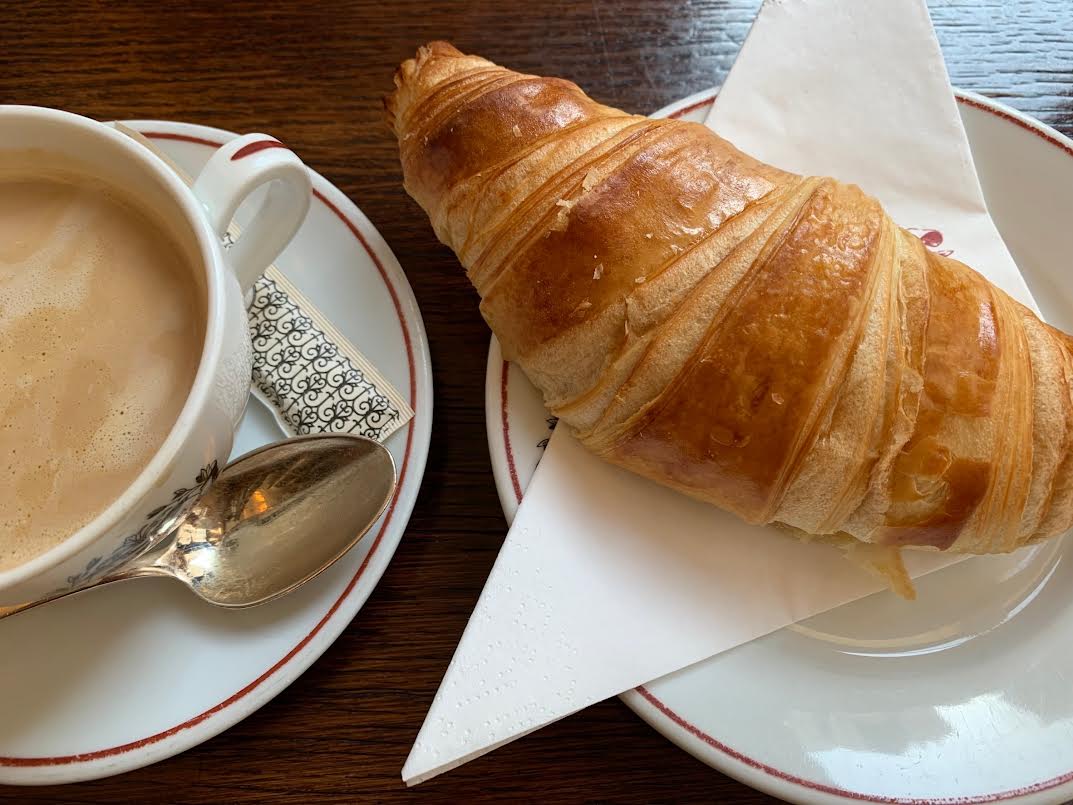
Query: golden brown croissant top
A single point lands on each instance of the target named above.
(770, 343)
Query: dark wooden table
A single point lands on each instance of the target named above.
(313, 74)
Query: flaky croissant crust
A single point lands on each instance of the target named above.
(770, 343)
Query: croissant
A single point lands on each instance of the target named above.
(770, 343)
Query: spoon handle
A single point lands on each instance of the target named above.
(142, 565)
(7, 612)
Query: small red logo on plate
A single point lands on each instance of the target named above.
(932, 238)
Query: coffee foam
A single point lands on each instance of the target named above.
(101, 326)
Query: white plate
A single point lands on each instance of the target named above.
(948, 700)
(132, 674)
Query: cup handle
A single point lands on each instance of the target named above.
(237, 169)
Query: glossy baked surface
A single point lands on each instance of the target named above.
(772, 344)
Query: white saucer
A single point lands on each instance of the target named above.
(107, 682)
(942, 701)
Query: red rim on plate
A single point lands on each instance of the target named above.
(681, 723)
(63, 760)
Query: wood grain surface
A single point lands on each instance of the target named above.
(313, 74)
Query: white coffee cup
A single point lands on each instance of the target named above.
(199, 442)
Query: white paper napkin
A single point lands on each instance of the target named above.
(859, 91)
(607, 581)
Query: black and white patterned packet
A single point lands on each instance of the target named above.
(310, 374)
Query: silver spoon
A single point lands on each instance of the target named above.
(274, 519)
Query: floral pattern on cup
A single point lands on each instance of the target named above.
(159, 521)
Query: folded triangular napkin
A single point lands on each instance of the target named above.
(607, 581)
